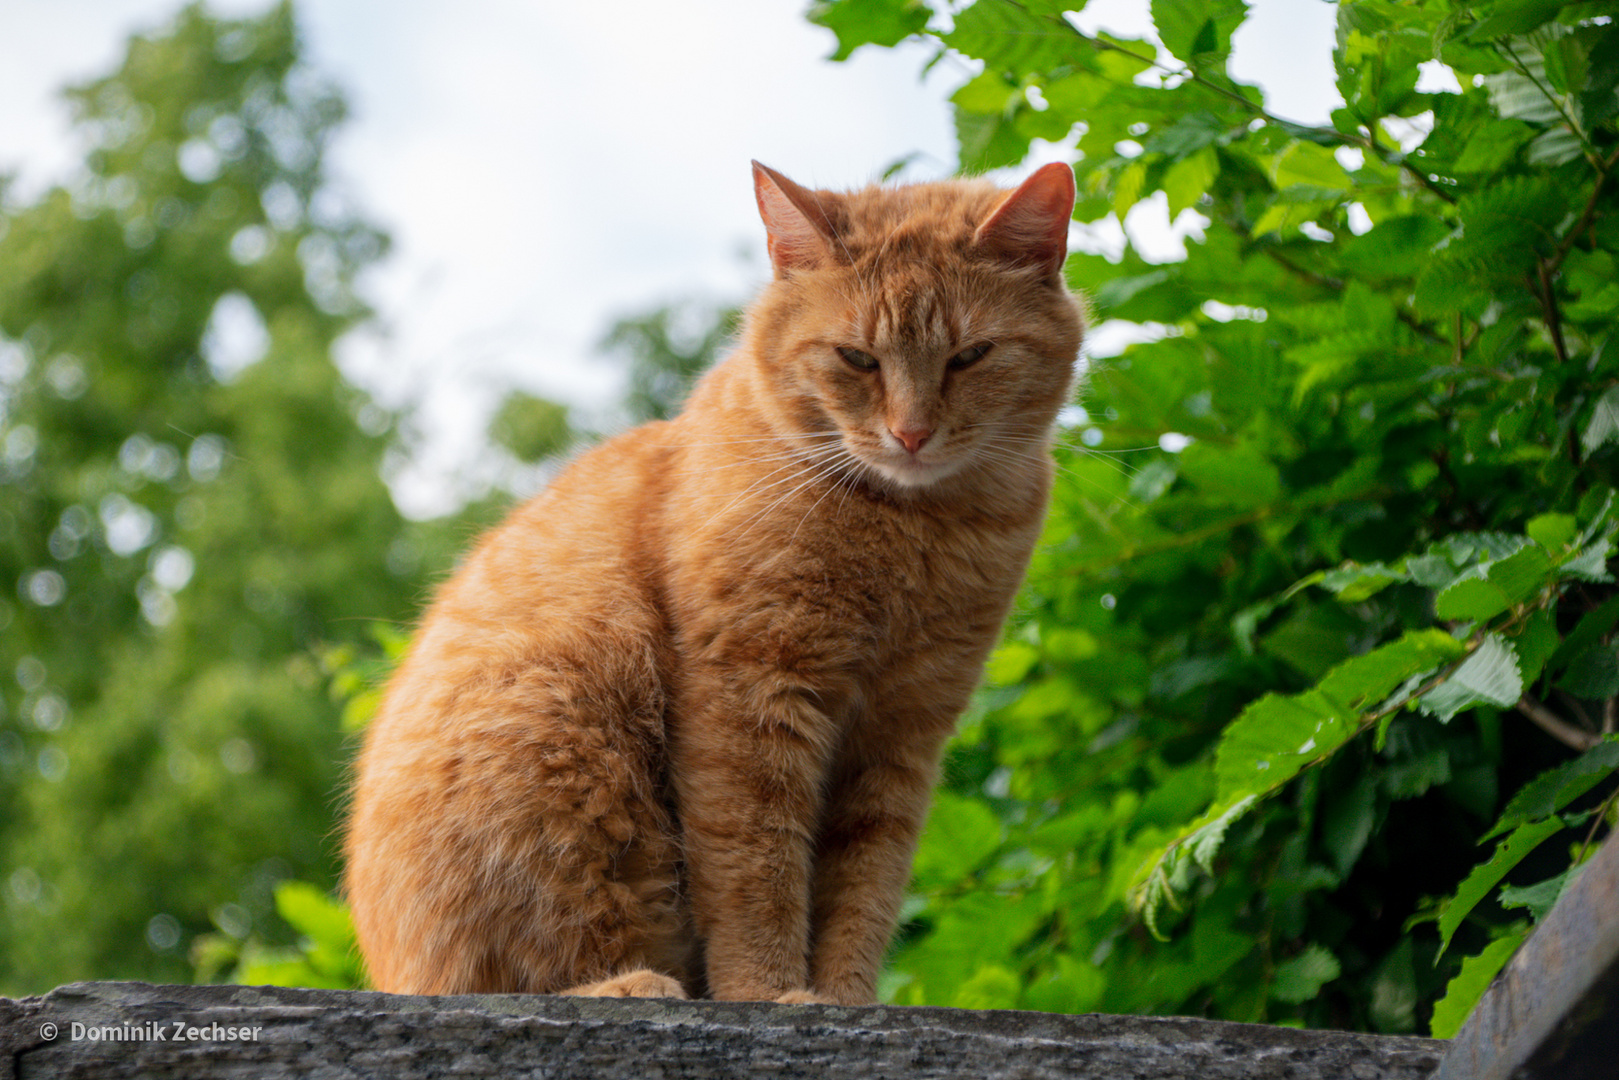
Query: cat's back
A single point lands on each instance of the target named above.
(570, 578)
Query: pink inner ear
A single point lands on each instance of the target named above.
(1030, 227)
(797, 225)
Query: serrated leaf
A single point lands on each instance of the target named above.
(1010, 38)
(869, 22)
(1353, 583)
(1540, 897)
(1277, 736)
(1464, 990)
(1554, 531)
(1186, 180)
(1593, 674)
(1301, 978)
(1556, 788)
(1493, 145)
(1307, 163)
(1603, 427)
(1471, 597)
(1489, 677)
(1535, 642)
(1205, 841)
(1554, 147)
(1591, 564)
(1197, 28)
(988, 142)
(1361, 682)
(1127, 188)
(1485, 876)
(961, 834)
(1517, 97)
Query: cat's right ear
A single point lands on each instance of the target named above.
(797, 222)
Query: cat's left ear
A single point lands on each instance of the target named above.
(796, 219)
(1030, 227)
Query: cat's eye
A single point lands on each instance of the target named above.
(862, 361)
(968, 357)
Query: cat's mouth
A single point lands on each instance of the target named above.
(916, 470)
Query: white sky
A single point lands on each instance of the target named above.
(543, 167)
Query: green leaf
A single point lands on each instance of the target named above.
(1535, 642)
(1489, 677)
(1541, 896)
(1555, 788)
(988, 142)
(1554, 531)
(1354, 583)
(1197, 29)
(1593, 626)
(988, 94)
(1307, 163)
(1491, 588)
(1471, 598)
(869, 22)
(1237, 476)
(1186, 180)
(1603, 427)
(312, 913)
(961, 834)
(1012, 39)
(1485, 876)
(1277, 736)
(1346, 823)
(1009, 664)
(1593, 674)
(1493, 146)
(1301, 978)
(1204, 842)
(1510, 17)
(1464, 990)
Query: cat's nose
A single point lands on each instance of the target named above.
(912, 437)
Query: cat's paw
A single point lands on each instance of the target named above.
(642, 983)
(803, 997)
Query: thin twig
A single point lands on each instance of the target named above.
(1548, 308)
(1586, 216)
(1610, 716)
(1601, 815)
(1555, 726)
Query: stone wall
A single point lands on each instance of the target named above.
(133, 1029)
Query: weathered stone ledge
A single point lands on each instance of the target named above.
(332, 1034)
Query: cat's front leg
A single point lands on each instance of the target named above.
(748, 767)
(875, 808)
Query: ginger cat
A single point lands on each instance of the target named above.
(672, 728)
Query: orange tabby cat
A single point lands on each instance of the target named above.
(672, 728)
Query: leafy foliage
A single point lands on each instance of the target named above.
(1326, 574)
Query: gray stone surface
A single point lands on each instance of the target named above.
(331, 1034)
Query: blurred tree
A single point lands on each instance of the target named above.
(665, 349)
(191, 498)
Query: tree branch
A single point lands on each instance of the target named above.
(1555, 726)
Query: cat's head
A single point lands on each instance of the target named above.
(927, 325)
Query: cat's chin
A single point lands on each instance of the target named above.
(910, 473)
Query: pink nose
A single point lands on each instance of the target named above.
(913, 438)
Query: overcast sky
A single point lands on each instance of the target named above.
(545, 166)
